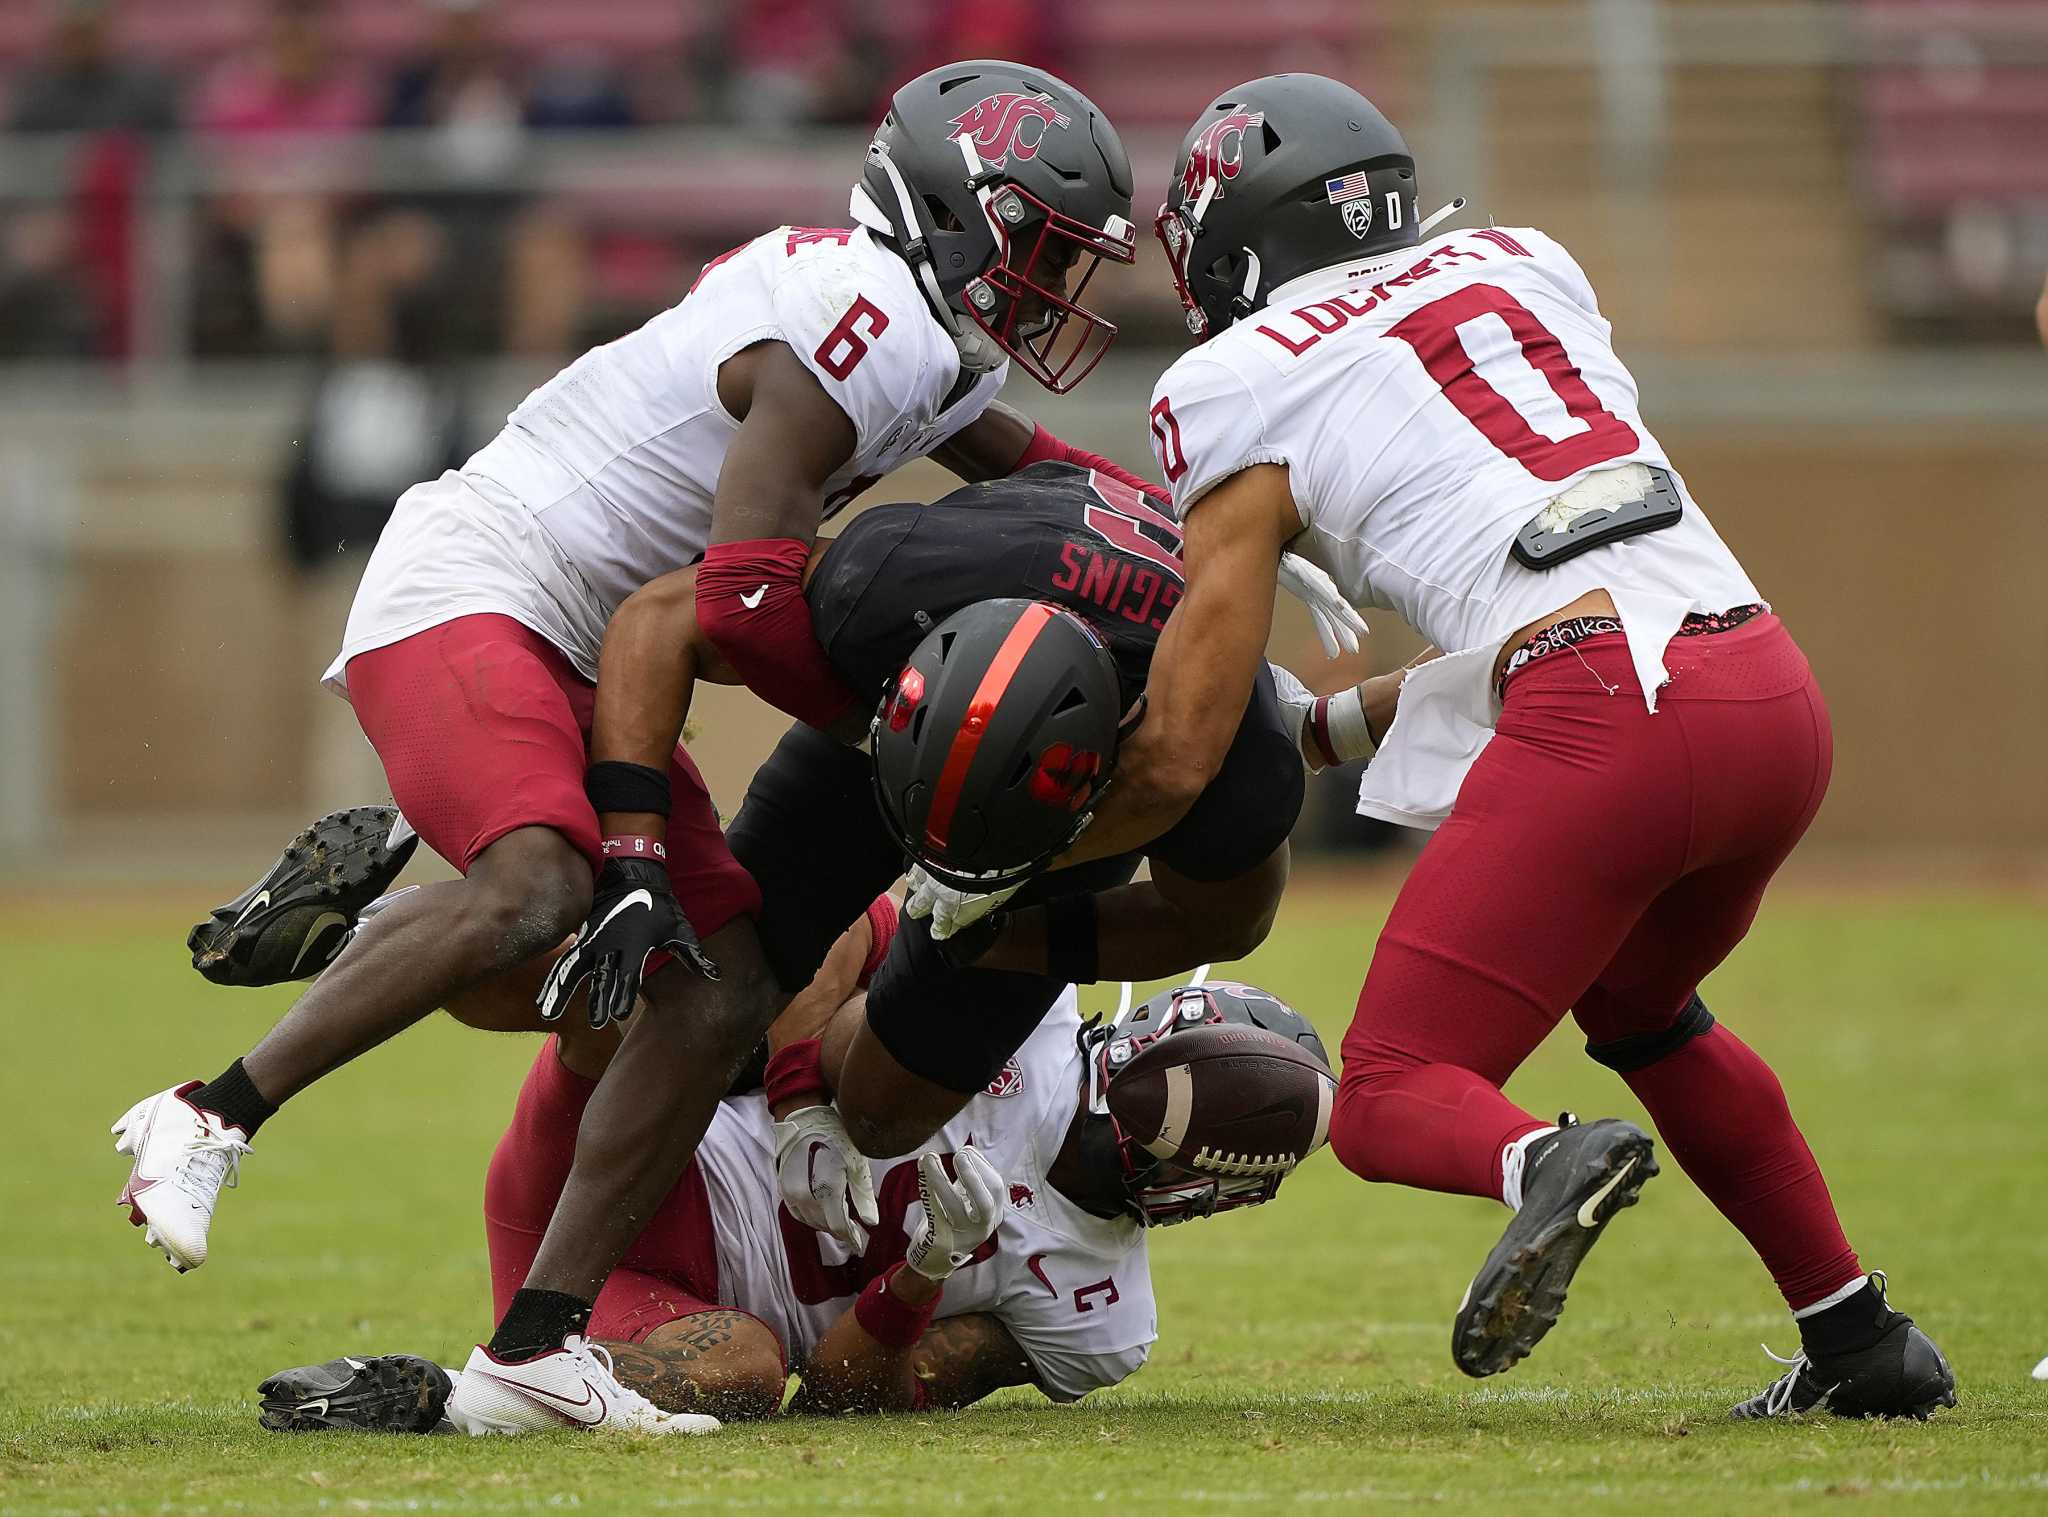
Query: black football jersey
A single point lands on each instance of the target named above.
(1091, 544)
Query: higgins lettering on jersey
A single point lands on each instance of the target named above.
(1116, 585)
(1325, 318)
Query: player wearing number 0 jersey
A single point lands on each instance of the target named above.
(1618, 749)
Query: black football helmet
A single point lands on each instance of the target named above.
(1161, 1192)
(1003, 188)
(994, 743)
(1277, 178)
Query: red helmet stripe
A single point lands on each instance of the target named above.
(938, 822)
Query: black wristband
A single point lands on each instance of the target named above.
(628, 788)
(1071, 951)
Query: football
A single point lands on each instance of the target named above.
(1226, 1099)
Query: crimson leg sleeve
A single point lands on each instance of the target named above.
(750, 603)
(1722, 1114)
(1045, 447)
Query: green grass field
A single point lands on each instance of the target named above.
(1303, 1362)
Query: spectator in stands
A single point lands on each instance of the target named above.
(270, 263)
(510, 271)
(298, 82)
(384, 412)
(79, 85)
(780, 64)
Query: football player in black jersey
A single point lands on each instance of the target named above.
(940, 1025)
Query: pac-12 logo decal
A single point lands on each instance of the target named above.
(1358, 217)
(1218, 153)
(1008, 1082)
(1000, 125)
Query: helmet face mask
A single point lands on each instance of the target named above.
(1161, 1192)
(1032, 237)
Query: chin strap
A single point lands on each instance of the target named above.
(977, 352)
(1437, 215)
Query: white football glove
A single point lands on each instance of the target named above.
(818, 1169)
(959, 1214)
(949, 908)
(1337, 621)
(1295, 701)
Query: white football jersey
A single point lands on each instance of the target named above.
(1074, 1290)
(603, 478)
(1428, 405)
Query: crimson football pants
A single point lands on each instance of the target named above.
(1602, 859)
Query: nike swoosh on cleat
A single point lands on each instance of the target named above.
(565, 1406)
(256, 904)
(317, 1407)
(312, 936)
(1587, 1213)
(754, 600)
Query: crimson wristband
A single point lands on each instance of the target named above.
(630, 789)
(795, 1071)
(887, 1318)
(634, 846)
(1045, 447)
(883, 917)
(1319, 729)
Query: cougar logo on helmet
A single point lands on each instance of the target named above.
(1218, 153)
(1007, 123)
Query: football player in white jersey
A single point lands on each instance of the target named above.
(799, 367)
(1619, 748)
(1010, 1248)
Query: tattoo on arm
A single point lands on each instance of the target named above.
(962, 1359)
(679, 1367)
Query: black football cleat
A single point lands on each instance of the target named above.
(1575, 1181)
(1903, 1374)
(293, 922)
(396, 1393)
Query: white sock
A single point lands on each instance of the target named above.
(1833, 1300)
(1512, 1160)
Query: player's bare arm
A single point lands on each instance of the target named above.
(724, 1363)
(1207, 658)
(956, 1363)
(990, 446)
(1155, 928)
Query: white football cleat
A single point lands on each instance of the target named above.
(572, 1386)
(182, 1158)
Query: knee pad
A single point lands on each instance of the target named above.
(1642, 1049)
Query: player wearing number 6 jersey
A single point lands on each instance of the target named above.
(1619, 749)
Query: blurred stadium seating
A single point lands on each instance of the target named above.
(1819, 228)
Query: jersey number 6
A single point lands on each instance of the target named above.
(844, 347)
(1432, 331)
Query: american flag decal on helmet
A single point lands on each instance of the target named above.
(1347, 187)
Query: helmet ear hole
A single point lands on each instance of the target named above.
(1073, 698)
(942, 215)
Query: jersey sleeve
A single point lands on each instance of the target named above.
(1560, 268)
(873, 354)
(1205, 427)
(1094, 1327)
(1068, 1376)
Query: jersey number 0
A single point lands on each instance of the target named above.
(1432, 331)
